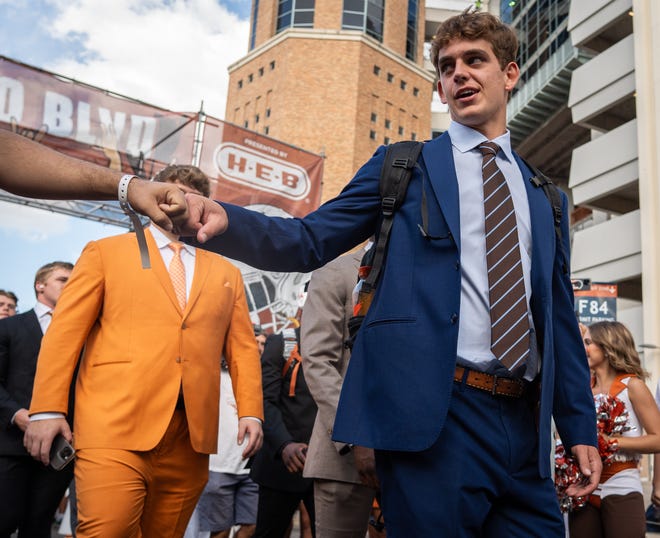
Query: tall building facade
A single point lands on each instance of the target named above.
(336, 77)
(588, 113)
(616, 96)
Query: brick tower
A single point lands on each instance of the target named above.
(336, 77)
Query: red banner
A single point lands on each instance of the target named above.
(254, 169)
(92, 124)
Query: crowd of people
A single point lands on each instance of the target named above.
(440, 415)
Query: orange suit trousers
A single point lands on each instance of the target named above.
(126, 493)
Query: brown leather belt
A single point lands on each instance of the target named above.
(497, 386)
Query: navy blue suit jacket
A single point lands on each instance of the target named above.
(398, 385)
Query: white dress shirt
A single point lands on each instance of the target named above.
(474, 322)
(44, 315)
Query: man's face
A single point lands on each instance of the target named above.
(261, 342)
(49, 291)
(474, 86)
(7, 306)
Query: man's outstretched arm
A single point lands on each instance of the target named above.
(34, 170)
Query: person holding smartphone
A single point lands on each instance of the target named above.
(30, 491)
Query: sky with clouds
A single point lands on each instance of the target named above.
(170, 53)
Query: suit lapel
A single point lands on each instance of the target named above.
(439, 163)
(32, 324)
(543, 231)
(159, 269)
(202, 268)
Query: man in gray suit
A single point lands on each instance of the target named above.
(341, 498)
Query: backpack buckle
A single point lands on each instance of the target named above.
(388, 204)
(401, 163)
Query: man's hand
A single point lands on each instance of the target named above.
(365, 463)
(655, 495)
(40, 434)
(293, 456)
(22, 419)
(255, 436)
(590, 465)
(161, 202)
(204, 219)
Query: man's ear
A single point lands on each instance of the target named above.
(512, 74)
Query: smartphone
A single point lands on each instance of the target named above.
(61, 453)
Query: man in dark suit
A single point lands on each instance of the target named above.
(289, 411)
(460, 423)
(30, 491)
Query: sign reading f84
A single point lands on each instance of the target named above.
(596, 302)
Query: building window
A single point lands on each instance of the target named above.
(390, 77)
(376, 70)
(542, 28)
(266, 129)
(415, 92)
(400, 130)
(250, 77)
(268, 112)
(261, 71)
(386, 140)
(388, 124)
(411, 30)
(374, 116)
(253, 26)
(403, 84)
(245, 124)
(240, 84)
(413, 136)
(364, 15)
(372, 134)
(295, 14)
(256, 118)
(272, 65)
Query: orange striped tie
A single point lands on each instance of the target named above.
(178, 273)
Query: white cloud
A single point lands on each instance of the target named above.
(31, 225)
(173, 54)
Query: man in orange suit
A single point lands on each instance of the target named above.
(146, 414)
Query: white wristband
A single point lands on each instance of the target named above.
(122, 189)
(122, 195)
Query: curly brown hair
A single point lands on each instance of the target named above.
(618, 346)
(187, 175)
(472, 25)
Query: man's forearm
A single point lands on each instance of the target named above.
(31, 169)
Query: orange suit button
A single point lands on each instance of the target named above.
(178, 359)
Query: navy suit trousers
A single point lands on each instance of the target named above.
(479, 479)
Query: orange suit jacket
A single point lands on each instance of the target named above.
(139, 348)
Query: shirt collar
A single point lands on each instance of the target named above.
(40, 309)
(162, 240)
(465, 139)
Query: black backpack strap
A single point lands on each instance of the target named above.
(400, 159)
(553, 195)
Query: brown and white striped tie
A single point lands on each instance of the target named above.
(510, 334)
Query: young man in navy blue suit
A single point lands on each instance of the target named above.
(460, 428)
